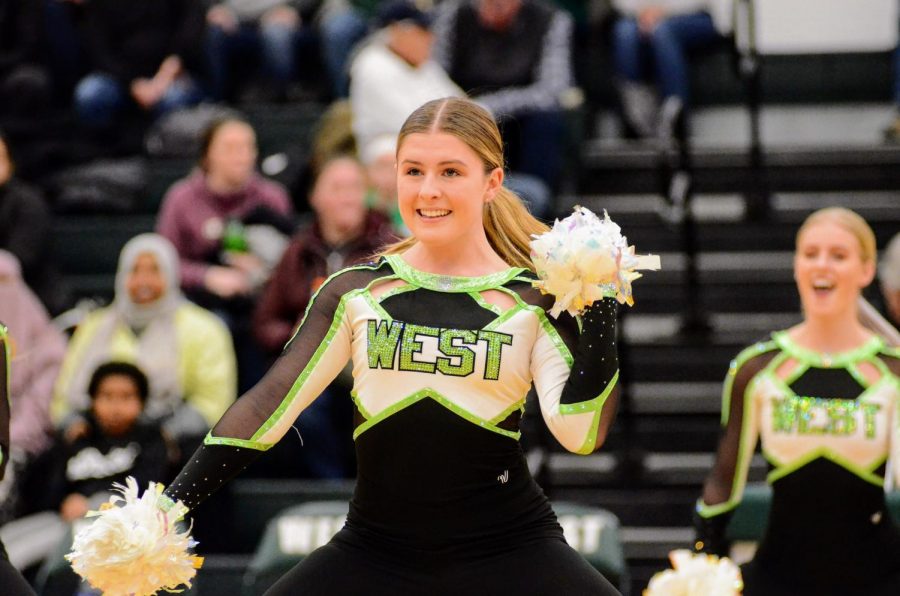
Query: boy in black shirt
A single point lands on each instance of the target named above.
(114, 442)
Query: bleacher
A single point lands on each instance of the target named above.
(821, 146)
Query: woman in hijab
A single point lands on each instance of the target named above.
(185, 350)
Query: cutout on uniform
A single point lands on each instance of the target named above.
(382, 287)
(496, 300)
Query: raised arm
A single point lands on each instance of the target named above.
(724, 486)
(575, 374)
(258, 420)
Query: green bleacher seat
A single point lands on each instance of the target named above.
(255, 502)
(594, 533)
(299, 530)
(290, 537)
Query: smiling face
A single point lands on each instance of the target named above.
(146, 283)
(830, 270)
(442, 188)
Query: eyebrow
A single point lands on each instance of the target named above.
(440, 163)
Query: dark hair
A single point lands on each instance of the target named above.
(124, 369)
(210, 132)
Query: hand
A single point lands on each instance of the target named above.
(244, 261)
(146, 92)
(649, 18)
(77, 429)
(73, 507)
(222, 17)
(226, 282)
(281, 15)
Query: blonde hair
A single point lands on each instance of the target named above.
(507, 223)
(848, 220)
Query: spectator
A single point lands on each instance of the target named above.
(218, 218)
(514, 58)
(114, 442)
(25, 232)
(343, 233)
(663, 31)
(143, 53)
(269, 28)
(185, 350)
(38, 349)
(392, 75)
(344, 23)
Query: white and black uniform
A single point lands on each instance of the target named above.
(444, 502)
(829, 430)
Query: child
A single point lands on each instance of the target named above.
(112, 443)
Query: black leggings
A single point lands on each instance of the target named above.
(11, 580)
(348, 566)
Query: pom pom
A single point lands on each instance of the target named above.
(696, 575)
(582, 259)
(136, 548)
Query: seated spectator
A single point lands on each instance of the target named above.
(38, 349)
(143, 53)
(238, 28)
(186, 351)
(25, 232)
(226, 222)
(514, 58)
(344, 23)
(660, 34)
(113, 442)
(343, 233)
(392, 75)
(25, 86)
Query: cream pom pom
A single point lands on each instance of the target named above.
(135, 549)
(696, 575)
(582, 259)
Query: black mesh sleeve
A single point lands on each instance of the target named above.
(312, 359)
(724, 486)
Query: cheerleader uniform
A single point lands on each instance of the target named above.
(828, 425)
(444, 502)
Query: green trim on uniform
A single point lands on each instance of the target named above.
(825, 453)
(450, 283)
(592, 405)
(742, 358)
(817, 360)
(477, 297)
(247, 444)
(275, 417)
(447, 403)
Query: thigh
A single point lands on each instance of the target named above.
(348, 567)
(547, 567)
